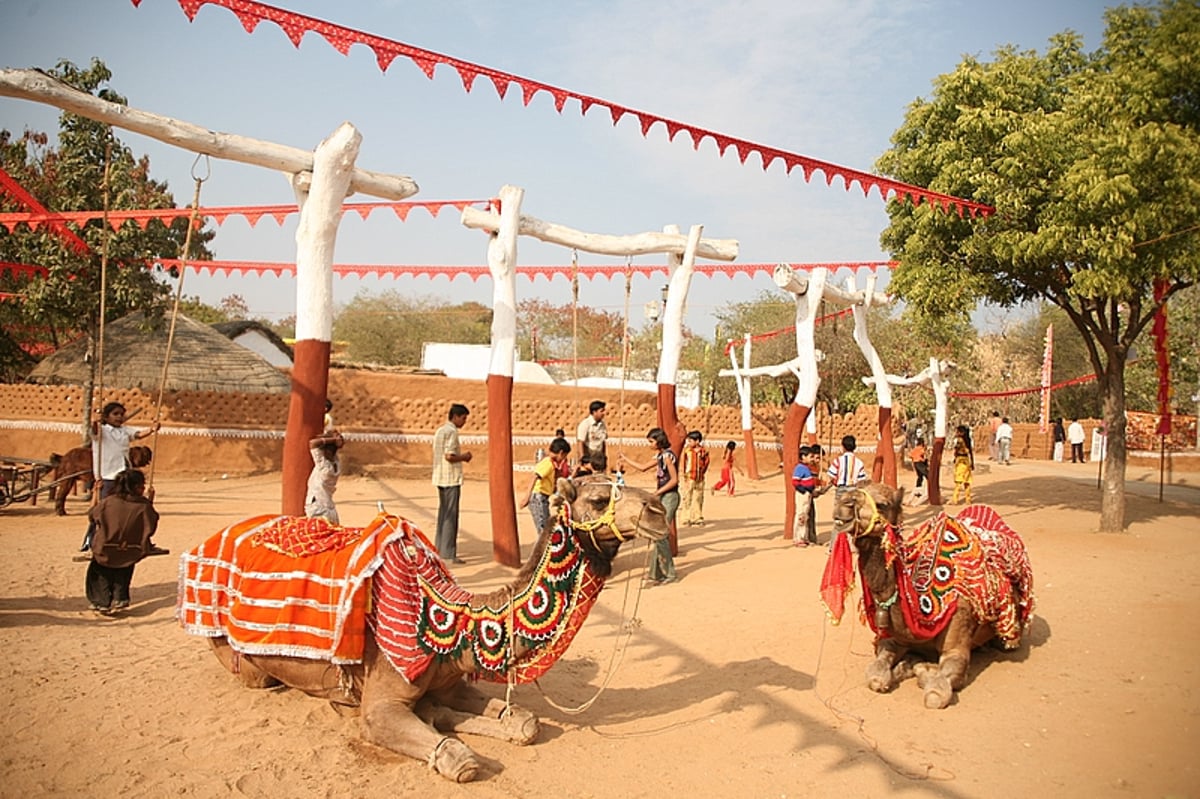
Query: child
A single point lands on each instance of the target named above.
(125, 521)
(847, 471)
(919, 462)
(821, 486)
(804, 484)
(695, 467)
(110, 452)
(666, 478)
(964, 462)
(592, 463)
(322, 481)
(727, 469)
(545, 478)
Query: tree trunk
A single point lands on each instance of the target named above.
(1112, 501)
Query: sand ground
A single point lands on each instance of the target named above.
(732, 683)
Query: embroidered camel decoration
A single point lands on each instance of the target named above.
(946, 588)
(405, 660)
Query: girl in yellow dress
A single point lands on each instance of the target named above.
(964, 462)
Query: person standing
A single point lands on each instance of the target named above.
(728, 466)
(1060, 438)
(820, 487)
(110, 445)
(804, 483)
(592, 433)
(964, 462)
(847, 471)
(993, 423)
(110, 453)
(920, 461)
(322, 481)
(1075, 436)
(695, 467)
(125, 523)
(545, 477)
(666, 478)
(448, 458)
(1004, 437)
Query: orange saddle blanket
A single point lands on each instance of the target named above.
(283, 585)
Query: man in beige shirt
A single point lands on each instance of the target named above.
(448, 458)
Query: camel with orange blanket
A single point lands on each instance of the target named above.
(370, 619)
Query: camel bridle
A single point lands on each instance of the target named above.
(608, 519)
(876, 518)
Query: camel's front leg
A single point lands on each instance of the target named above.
(390, 723)
(879, 672)
(388, 720)
(939, 682)
(464, 708)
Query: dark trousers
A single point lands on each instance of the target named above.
(922, 470)
(1077, 453)
(811, 534)
(106, 586)
(446, 539)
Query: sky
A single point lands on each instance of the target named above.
(828, 79)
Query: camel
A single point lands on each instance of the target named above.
(946, 588)
(76, 465)
(426, 640)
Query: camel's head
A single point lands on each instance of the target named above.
(605, 515)
(867, 510)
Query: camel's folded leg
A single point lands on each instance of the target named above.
(879, 672)
(940, 681)
(507, 722)
(517, 726)
(243, 668)
(390, 723)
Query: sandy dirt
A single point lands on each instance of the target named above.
(732, 683)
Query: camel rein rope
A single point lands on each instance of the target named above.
(626, 623)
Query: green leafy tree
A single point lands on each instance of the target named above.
(65, 302)
(1091, 161)
(391, 328)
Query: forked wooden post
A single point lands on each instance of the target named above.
(509, 223)
(321, 181)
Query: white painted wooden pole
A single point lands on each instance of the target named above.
(316, 235)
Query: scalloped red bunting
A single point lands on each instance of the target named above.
(532, 272)
(1016, 392)
(251, 213)
(10, 187)
(342, 38)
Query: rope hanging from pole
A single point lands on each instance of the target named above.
(625, 343)
(98, 389)
(575, 328)
(187, 251)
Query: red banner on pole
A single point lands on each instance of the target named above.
(1163, 359)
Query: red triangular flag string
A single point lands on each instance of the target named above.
(294, 26)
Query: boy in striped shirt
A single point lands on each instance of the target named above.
(804, 482)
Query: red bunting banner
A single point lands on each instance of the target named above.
(22, 269)
(294, 26)
(11, 188)
(1163, 358)
(251, 213)
(792, 328)
(531, 272)
(1016, 392)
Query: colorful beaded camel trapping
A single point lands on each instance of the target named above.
(279, 585)
(420, 615)
(973, 557)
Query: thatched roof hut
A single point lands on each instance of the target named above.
(257, 337)
(201, 360)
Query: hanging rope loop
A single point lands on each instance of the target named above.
(186, 251)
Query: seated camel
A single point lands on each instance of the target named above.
(76, 465)
(949, 586)
(396, 639)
